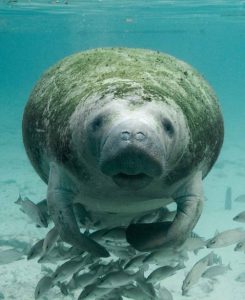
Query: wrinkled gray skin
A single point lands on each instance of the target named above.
(123, 132)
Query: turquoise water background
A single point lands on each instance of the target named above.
(209, 35)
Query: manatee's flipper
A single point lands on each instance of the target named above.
(148, 237)
(60, 197)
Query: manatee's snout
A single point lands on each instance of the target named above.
(131, 154)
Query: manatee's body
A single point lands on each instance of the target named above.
(123, 132)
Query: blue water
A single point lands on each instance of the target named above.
(209, 35)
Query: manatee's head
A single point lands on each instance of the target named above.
(133, 142)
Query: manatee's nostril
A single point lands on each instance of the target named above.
(140, 136)
(125, 135)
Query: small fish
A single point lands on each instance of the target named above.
(65, 270)
(68, 268)
(121, 252)
(193, 243)
(49, 242)
(214, 271)
(135, 262)
(118, 278)
(240, 247)
(240, 198)
(32, 211)
(43, 286)
(164, 256)
(196, 272)
(226, 238)
(240, 217)
(228, 199)
(54, 256)
(115, 234)
(82, 280)
(163, 272)
(10, 255)
(98, 234)
(35, 250)
(92, 292)
(104, 268)
(241, 277)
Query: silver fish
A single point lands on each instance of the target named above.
(105, 268)
(43, 286)
(164, 257)
(10, 255)
(240, 198)
(135, 262)
(32, 211)
(92, 292)
(98, 234)
(196, 272)
(226, 238)
(163, 272)
(121, 252)
(240, 217)
(117, 234)
(214, 271)
(117, 279)
(82, 280)
(193, 243)
(35, 250)
(49, 242)
(68, 268)
(240, 247)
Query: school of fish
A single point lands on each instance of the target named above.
(126, 272)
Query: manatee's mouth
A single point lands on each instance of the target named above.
(132, 182)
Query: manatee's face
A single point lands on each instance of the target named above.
(135, 144)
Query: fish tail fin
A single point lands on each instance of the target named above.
(19, 200)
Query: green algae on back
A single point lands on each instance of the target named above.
(120, 72)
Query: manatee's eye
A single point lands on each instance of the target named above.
(97, 123)
(168, 127)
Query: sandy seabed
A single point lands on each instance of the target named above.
(18, 279)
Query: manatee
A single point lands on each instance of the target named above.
(123, 132)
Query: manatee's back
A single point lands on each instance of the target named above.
(161, 77)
